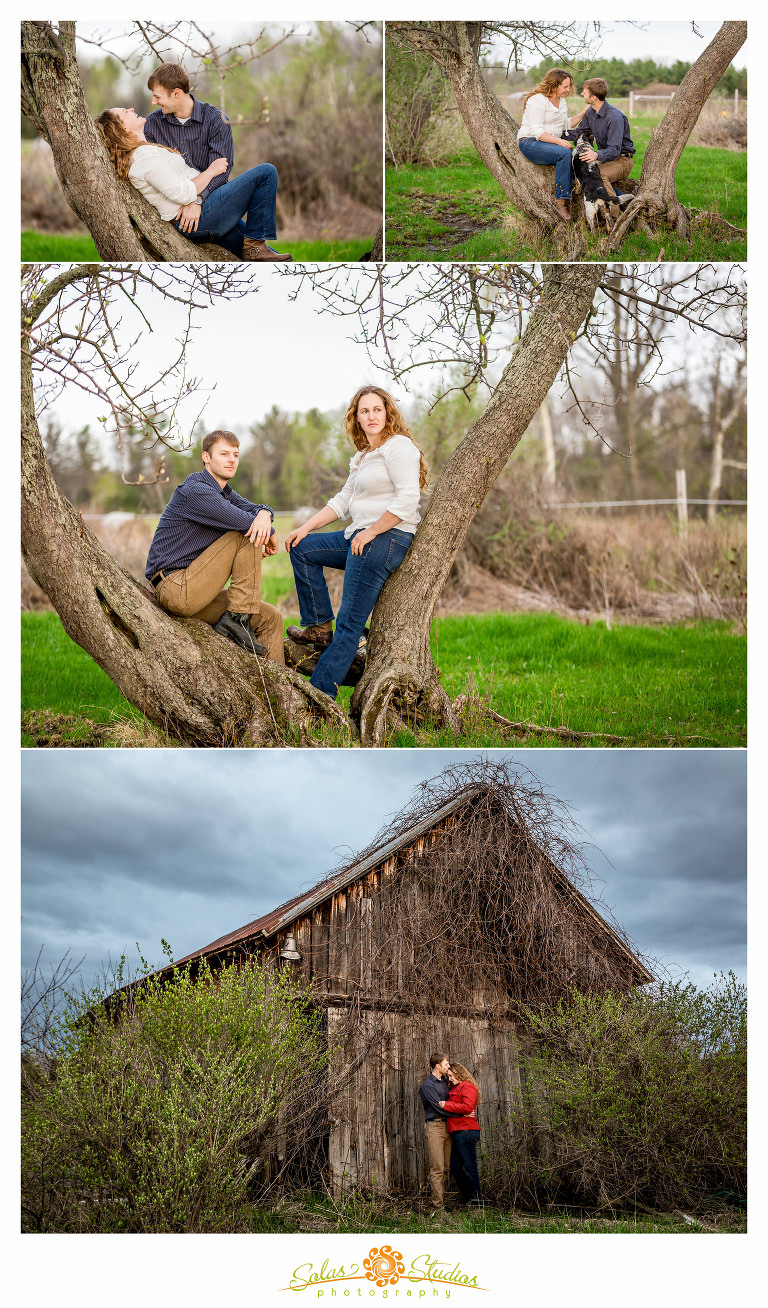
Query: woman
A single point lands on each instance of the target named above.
(541, 139)
(464, 1130)
(173, 188)
(381, 497)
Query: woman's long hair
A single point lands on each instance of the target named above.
(120, 143)
(395, 426)
(462, 1074)
(549, 83)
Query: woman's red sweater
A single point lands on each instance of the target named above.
(462, 1102)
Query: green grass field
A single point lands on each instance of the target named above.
(428, 207)
(679, 686)
(39, 247)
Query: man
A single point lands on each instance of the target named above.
(202, 134)
(207, 535)
(610, 128)
(436, 1137)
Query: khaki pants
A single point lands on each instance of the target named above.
(438, 1144)
(615, 170)
(198, 591)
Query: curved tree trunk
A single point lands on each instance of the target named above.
(400, 678)
(656, 194)
(493, 131)
(124, 226)
(197, 686)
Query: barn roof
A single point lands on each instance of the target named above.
(264, 928)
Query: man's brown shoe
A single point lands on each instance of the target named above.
(319, 636)
(260, 252)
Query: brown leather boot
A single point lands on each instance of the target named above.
(260, 252)
(563, 211)
(319, 636)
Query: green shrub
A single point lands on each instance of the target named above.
(636, 1099)
(158, 1109)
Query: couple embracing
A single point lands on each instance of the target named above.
(450, 1096)
(180, 158)
(206, 555)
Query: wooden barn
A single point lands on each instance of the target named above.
(430, 940)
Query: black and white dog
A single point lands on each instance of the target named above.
(599, 204)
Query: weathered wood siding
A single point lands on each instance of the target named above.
(377, 1129)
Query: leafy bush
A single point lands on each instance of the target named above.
(158, 1107)
(636, 1099)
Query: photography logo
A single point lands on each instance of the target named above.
(383, 1268)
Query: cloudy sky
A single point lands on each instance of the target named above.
(124, 846)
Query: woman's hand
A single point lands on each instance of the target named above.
(295, 536)
(442, 1102)
(188, 217)
(218, 167)
(271, 545)
(362, 539)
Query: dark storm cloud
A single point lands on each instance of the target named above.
(186, 845)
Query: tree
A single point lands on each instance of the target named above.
(178, 671)
(656, 197)
(457, 48)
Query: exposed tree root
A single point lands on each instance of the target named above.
(464, 702)
(643, 203)
(716, 223)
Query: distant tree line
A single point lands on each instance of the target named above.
(624, 75)
(296, 459)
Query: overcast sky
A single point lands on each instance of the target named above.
(663, 42)
(125, 846)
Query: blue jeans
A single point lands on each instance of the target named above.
(254, 194)
(464, 1164)
(364, 576)
(544, 152)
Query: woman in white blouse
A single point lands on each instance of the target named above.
(540, 138)
(173, 188)
(381, 499)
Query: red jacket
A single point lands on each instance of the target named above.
(461, 1103)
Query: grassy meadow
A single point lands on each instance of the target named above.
(458, 211)
(678, 686)
(41, 247)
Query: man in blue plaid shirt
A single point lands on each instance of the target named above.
(202, 134)
(209, 536)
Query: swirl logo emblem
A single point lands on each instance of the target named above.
(384, 1265)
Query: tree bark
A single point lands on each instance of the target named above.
(400, 679)
(656, 194)
(124, 226)
(197, 686)
(492, 130)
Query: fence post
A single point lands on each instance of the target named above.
(682, 501)
(631, 104)
(736, 102)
